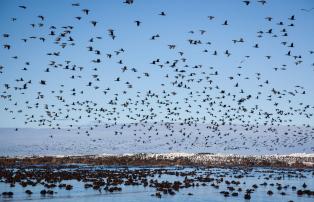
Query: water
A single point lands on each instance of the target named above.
(200, 193)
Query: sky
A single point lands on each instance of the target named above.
(181, 17)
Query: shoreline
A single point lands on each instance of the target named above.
(298, 161)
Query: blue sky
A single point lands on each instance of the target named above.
(181, 17)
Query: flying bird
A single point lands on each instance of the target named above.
(246, 2)
(162, 13)
(137, 22)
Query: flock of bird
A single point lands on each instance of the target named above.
(189, 94)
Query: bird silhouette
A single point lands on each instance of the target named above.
(246, 2)
(162, 13)
(137, 22)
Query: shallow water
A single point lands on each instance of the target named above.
(200, 193)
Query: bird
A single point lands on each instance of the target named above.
(111, 33)
(262, 2)
(246, 2)
(269, 18)
(94, 23)
(211, 17)
(86, 11)
(137, 22)
(128, 2)
(41, 17)
(7, 46)
(42, 82)
(291, 18)
(171, 46)
(162, 13)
